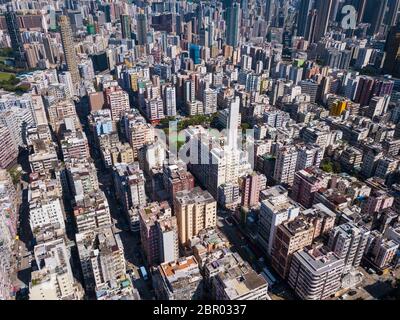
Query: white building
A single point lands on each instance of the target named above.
(285, 165)
(276, 208)
(45, 211)
(170, 101)
(54, 280)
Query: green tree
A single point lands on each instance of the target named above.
(327, 166)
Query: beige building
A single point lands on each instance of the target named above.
(122, 153)
(195, 210)
(290, 237)
(70, 57)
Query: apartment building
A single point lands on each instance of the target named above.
(158, 233)
(315, 273)
(195, 210)
(290, 237)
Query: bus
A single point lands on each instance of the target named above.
(144, 272)
(272, 281)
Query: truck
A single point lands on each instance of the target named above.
(144, 273)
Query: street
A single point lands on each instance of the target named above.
(130, 241)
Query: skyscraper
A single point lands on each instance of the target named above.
(323, 8)
(392, 49)
(170, 100)
(303, 16)
(232, 25)
(392, 13)
(268, 11)
(15, 36)
(233, 123)
(68, 48)
(126, 26)
(359, 5)
(374, 14)
(141, 30)
(310, 26)
(194, 52)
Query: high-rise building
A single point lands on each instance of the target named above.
(194, 53)
(290, 237)
(305, 185)
(220, 164)
(210, 101)
(169, 101)
(15, 36)
(311, 88)
(370, 160)
(240, 283)
(233, 25)
(54, 279)
(233, 123)
(177, 178)
(315, 273)
(322, 218)
(141, 29)
(117, 100)
(381, 251)
(70, 57)
(268, 10)
(137, 131)
(349, 242)
(91, 211)
(392, 13)
(154, 109)
(251, 186)
(129, 184)
(8, 148)
(323, 8)
(276, 208)
(126, 26)
(303, 16)
(309, 155)
(378, 201)
(374, 15)
(45, 211)
(66, 79)
(285, 165)
(364, 89)
(392, 49)
(195, 210)
(101, 255)
(159, 233)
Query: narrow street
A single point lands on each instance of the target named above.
(130, 241)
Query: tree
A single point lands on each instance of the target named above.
(327, 166)
(245, 126)
(15, 175)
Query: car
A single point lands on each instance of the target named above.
(229, 222)
(352, 293)
(371, 271)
